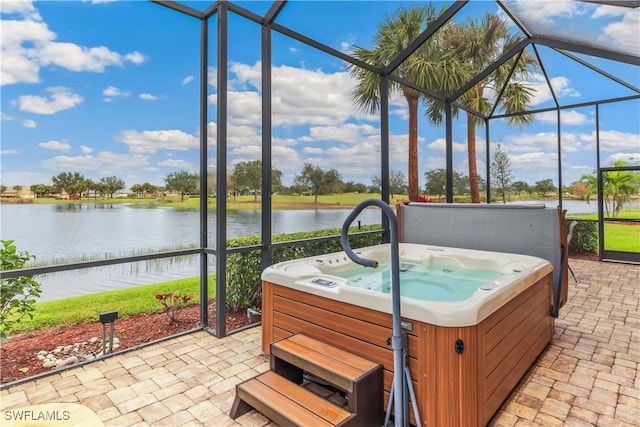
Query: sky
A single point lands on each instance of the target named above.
(112, 88)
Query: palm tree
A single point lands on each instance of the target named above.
(394, 35)
(479, 45)
(617, 188)
(591, 184)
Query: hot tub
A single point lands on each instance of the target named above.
(476, 320)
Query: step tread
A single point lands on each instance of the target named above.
(288, 403)
(330, 363)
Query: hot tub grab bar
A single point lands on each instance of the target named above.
(401, 376)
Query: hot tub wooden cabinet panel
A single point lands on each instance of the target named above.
(461, 375)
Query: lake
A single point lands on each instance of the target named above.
(63, 233)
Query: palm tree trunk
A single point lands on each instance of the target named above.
(414, 187)
(474, 184)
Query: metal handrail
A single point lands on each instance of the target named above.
(401, 375)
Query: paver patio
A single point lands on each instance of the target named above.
(588, 375)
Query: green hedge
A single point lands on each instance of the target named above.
(244, 288)
(585, 237)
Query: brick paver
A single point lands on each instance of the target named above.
(587, 376)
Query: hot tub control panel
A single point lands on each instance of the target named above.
(324, 282)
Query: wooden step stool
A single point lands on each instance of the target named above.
(279, 396)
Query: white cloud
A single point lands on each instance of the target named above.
(28, 45)
(528, 142)
(607, 11)
(78, 58)
(5, 117)
(560, 85)
(346, 132)
(238, 136)
(403, 113)
(435, 163)
(7, 152)
(539, 162)
(246, 152)
(85, 150)
(244, 108)
(148, 97)
(19, 60)
(544, 13)
(567, 117)
(61, 99)
(187, 80)
(150, 141)
(300, 96)
(29, 123)
(582, 21)
(630, 159)
(113, 91)
(20, 7)
(623, 34)
(106, 162)
(440, 145)
(312, 150)
(55, 145)
(613, 140)
(212, 76)
(178, 164)
(135, 57)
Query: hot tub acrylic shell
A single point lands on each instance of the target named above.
(465, 357)
(316, 275)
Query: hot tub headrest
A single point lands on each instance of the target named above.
(529, 229)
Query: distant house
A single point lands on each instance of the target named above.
(66, 196)
(24, 193)
(122, 193)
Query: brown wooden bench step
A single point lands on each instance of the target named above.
(338, 367)
(286, 403)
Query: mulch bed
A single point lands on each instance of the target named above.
(19, 356)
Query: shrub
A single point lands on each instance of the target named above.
(173, 303)
(585, 237)
(17, 294)
(244, 287)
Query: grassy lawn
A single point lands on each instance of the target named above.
(624, 215)
(622, 237)
(140, 299)
(241, 202)
(282, 201)
(619, 236)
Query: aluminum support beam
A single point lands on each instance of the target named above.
(487, 159)
(384, 151)
(266, 147)
(204, 214)
(221, 188)
(449, 152)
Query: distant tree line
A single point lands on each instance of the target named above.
(245, 178)
(77, 186)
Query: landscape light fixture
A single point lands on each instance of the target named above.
(108, 317)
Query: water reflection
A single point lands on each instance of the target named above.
(64, 233)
